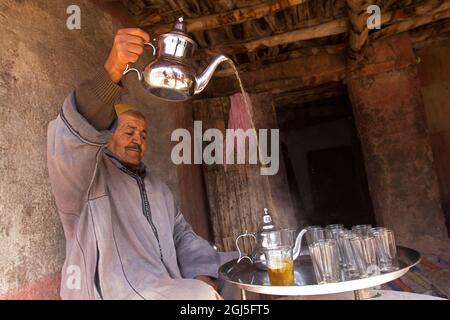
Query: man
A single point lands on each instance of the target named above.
(125, 239)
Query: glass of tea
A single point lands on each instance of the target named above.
(280, 265)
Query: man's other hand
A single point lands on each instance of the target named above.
(128, 46)
(208, 280)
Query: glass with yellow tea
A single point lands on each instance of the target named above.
(280, 265)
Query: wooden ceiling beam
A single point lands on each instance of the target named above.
(423, 8)
(419, 39)
(317, 68)
(411, 24)
(286, 56)
(430, 31)
(223, 19)
(405, 18)
(326, 29)
(283, 76)
(326, 91)
(317, 31)
(438, 32)
(432, 40)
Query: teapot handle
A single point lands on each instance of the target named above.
(298, 244)
(241, 257)
(128, 69)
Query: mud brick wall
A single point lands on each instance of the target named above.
(434, 74)
(391, 121)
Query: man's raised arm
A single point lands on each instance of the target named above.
(95, 97)
(83, 127)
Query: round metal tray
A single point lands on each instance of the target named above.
(247, 277)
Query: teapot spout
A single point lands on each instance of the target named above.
(202, 81)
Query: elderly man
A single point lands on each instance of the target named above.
(125, 238)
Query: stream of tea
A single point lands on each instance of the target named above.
(248, 110)
(246, 102)
(244, 95)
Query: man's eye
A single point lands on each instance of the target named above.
(129, 133)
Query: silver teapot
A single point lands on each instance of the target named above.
(268, 236)
(170, 76)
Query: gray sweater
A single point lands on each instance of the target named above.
(121, 228)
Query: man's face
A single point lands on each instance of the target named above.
(128, 141)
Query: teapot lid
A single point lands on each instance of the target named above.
(179, 26)
(179, 30)
(267, 224)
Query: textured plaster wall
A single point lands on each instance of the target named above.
(40, 62)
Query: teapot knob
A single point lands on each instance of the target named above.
(267, 218)
(267, 224)
(179, 25)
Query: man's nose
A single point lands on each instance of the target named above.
(137, 139)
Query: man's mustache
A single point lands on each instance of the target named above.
(134, 147)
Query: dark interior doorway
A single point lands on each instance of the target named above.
(324, 162)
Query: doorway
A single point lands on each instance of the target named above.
(324, 162)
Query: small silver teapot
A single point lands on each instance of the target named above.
(268, 236)
(170, 76)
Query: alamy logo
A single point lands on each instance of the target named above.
(73, 281)
(74, 20)
(374, 21)
(219, 151)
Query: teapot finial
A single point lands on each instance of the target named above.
(267, 224)
(179, 26)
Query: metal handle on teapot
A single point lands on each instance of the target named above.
(298, 244)
(241, 257)
(139, 73)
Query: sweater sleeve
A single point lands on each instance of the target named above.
(195, 255)
(95, 100)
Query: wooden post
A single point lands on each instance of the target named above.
(192, 194)
(238, 195)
